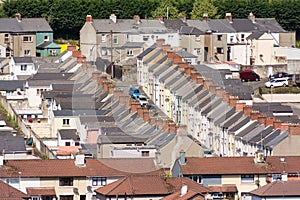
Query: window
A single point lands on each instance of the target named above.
(103, 38)
(197, 37)
(231, 38)
(27, 39)
(66, 181)
(197, 179)
(67, 144)
(220, 50)
(66, 197)
(27, 52)
(247, 178)
(115, 39)
(197, 51)
(66, 121)
(6, 38)
(145, 153)
(77, 143)
(46, 37)
(35, 198)
(52, 52)
(23, 67)
(243, 37)
(145, 38)
(129, 52)
(219, 37)
(99, 181)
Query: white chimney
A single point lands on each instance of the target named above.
(1, 161)
(79, 160)
(113, 18)
(183, 190)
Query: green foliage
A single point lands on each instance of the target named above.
(10, 118)
(67, 17)
(201, 7)
(166, 10)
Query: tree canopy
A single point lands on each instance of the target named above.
(67, 17)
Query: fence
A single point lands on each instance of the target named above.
(26, 130)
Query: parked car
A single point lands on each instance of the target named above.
(143, 100)
(281, 75)
(135, 92)
(249, 75)
(277, 82)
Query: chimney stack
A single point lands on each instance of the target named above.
(239, 106)
(160, 42)
(254, 115)
(228, 17)
(277, 124)
(113, 18)
(205, 17)
(233, 100)
(294, 129)
(247, 110)
(89, 18)
(136, 19)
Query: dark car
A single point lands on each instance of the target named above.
(249, 75)
(280, 75)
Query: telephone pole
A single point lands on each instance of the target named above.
(111, 54)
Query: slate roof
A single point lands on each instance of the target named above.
(247, 129)
(148, 50)
(12, 144)
(239, 124)
(232, 119)
(12, 25)
(268, 24)
(43, 45)
(63, 113)
(174, 24)
(51, 76)
(11, 85)
(128, 25)
(9, 192)
(278, 189)
(63, 87)
(185, 54)
(239, 165)
(277, 139)
(255, 36)
(201, 25)
(190, 30)
(243, 25)
(148, 185)
(69, 134)
(133, 45)
(23, 59)
(221, 26)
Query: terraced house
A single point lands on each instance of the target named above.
(21, 37)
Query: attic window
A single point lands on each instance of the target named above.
(247, 178)
(46, 37)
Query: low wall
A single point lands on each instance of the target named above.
(282, 98)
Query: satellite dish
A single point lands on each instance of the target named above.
(89, 189)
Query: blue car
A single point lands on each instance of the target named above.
(135, 92)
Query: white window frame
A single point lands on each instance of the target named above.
(99, 181)
(46, 38)
(145, 38)
(103, 37)
(197, 37)
(247, 178)
(23, 68)
(129, 52)
(27, 38)
(26, 52)
(115, 39)
(66, 122)
(197, 51)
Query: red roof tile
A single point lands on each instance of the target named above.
(189, 195)
(223, 188)
(148, 185)
(278, 189)
(57, 168)
(60, 168)
(239, 165)
(41, 191)
(9, 192)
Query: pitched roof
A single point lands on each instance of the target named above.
(23, 59)
(255, 36)
(278, 189)
(190, 194)
(239, 165)
(148, 185)
(9, 192)
(11, 85)
(41, 191)
(12, 144)
(57, 168)
(25, 25)
(66, 134)
(225, 188)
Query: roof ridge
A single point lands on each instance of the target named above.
(115, 187)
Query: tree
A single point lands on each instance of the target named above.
(201, 7)
(166, 10)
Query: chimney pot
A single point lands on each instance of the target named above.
(89, 18)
